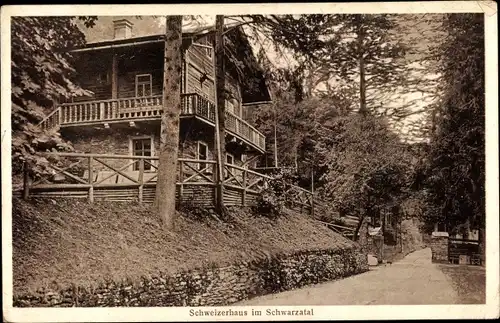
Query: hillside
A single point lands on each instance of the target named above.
(72, 241)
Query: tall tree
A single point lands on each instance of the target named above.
(456, 161)
(363, 49)
(220, 133)
(169, 128)
(42, 75)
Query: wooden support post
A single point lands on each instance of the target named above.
(114, 77)
(141, 180)
(244, 184)
(91, 180)
(26, 181)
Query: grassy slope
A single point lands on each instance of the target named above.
(468, 281)
(70, 241)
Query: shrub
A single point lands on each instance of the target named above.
(270, 204)
(273, 200)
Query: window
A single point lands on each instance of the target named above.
(202, 154)
(230, 159)
(208, 51)
(229, 107)
(143, 85)
(102, 78)
(142, 147)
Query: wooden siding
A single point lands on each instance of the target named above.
(94, 75)
(132, 64)
(199, 63)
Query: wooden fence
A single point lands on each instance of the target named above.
(464, 251)
(133, 178)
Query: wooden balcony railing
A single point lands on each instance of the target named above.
(144, 108)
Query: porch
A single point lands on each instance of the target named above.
(137, 109)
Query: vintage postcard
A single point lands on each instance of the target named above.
(245, 162)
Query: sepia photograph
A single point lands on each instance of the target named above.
(294, 162)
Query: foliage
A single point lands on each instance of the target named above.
(345, 49)
(41, 75)
(299, 127)
(272, 201)
(366, 53)
(368, 168)
(455, 165)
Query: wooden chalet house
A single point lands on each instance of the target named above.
(123, 115)
(115, 132)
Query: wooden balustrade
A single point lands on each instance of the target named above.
(114, 177)
(51, 121)
(91, 112)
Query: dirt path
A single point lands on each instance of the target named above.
(410, 281)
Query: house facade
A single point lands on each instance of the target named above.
(125, 75)
(115, 130)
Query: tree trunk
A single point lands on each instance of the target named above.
(275, 138)
(220, 131)
(362, 79)
(358, 228)
(169, 128)
(362, 87)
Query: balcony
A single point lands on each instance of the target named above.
(148, 108)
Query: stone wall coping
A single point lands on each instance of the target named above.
(440, 234)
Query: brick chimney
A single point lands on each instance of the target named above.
(123, 29)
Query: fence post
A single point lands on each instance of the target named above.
(312, 204)
(59, 115)
(244, 182)
(301, 203)
(26, 181)
(141, 180)
(91, 180)
(181, 179)
(214, 180)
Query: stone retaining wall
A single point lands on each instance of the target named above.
(211, 286)
(439, 247)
